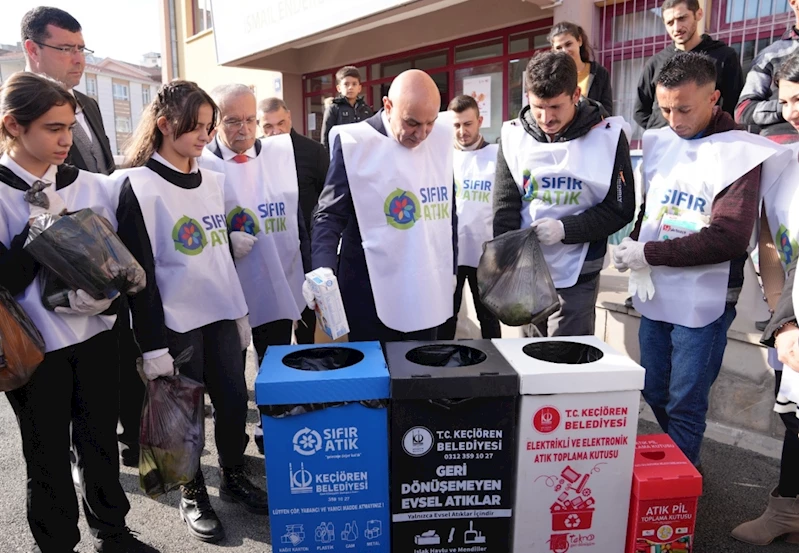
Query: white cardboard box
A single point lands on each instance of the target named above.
(329, 306)
(577, 429)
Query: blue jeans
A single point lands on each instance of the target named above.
(681, 365)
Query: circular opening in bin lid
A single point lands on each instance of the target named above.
(323, 359)
(565, 353)
(445, 355)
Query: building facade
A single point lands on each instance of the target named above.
(463, 44)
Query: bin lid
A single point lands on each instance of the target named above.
(662, 471)
(570, 365)
(449, 370)
(363, 377)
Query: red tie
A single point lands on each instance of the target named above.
(241, 158)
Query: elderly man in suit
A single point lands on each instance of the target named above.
(54, 46)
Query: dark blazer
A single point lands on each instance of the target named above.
(91, 111)
(335, 219)
(312, 162)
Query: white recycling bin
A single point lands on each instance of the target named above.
(577, 426)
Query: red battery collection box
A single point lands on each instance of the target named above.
(666, 488)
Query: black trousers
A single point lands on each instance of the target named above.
(789, 479)
(131, 387)
(217, 362)
(74, 392)
(489, 324)
(306, 327)
(276, 333)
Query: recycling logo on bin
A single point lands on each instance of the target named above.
(326, 461)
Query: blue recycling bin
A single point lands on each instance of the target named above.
(325, 421)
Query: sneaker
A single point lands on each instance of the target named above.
(236, 487)
(129, 456)
(123, 541)
(197, 513)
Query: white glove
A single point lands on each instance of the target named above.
(641, 284)
(56, 203)
(549, 231)
(82, 304)
(242, 243)
(308, 296)
(616, 260)
(630, 255)
(245, 332)
(162, 365)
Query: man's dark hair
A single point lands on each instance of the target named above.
(269, 105)
(461, 103)
(550, 74)
(692, 5)
(34, 23)
(687, 67)
(789, 69)
(347, 71)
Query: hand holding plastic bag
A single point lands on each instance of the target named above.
(83, 305)
(640, 284)
(156, 366)
(172, 432)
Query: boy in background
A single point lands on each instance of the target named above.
(349, 106)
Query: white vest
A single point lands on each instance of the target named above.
(403, 201)
(474, 192)
(262, 198)
(560, 179)
(188, 234)
(88, 191)
(682, 177)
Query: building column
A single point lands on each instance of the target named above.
(581, 12)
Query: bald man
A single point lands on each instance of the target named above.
(389, 199)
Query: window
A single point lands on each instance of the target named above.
(741, 10)
(121, 92)
(123, 125)
(145, 96)
(479, 51)
(91, 87)
(202, 15)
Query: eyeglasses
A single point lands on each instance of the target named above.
(72, 50)
(237, 123)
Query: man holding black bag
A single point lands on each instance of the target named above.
(564, 169)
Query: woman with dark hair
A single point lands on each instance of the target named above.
(172, 218)
(72, 396)
(778, 251)
(592, 78)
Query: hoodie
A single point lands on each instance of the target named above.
(596, 223)
(732, 218)
(340, 112)
(729, 80)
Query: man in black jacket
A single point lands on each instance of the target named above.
(349, 106)
(565, 171)
(312, 161)
(681, 18)
(54, 46)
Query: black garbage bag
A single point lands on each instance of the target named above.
(445, 355)
(55, 293)
(513, 279)
(82, 251)
(172, 431)
(21, 344)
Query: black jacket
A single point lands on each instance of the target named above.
(91, 111)
(599, 88)
(340, 112)
(312, 162)
(729, 80)
(596, 223)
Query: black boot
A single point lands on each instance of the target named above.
(236, 487)
(197, 513)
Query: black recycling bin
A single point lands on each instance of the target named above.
(453, 446)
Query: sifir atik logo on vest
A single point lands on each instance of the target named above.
(272, 217)
(785, 245)
(190, 237)
(473, 190)
(403, 209)
(551, 190)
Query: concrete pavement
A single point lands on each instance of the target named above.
(737, 482)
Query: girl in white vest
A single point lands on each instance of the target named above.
(74, 386)
(262, 210)
(702, 180)
(474, 163)
(778, 247)
(172, 217)
(565, 170)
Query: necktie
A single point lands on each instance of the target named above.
(241, 158)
